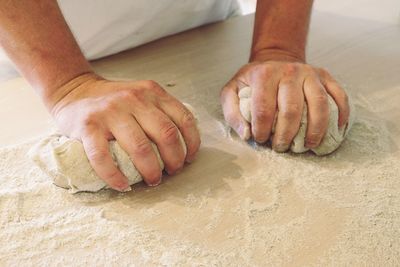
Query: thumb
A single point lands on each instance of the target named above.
(231, 110)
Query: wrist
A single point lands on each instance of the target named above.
(277, 54)
(67, 89)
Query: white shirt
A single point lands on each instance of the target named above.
(105, 27)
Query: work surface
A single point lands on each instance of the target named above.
(236, 204)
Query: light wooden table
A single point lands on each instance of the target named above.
(237, 205)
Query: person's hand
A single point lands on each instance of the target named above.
(94, 110)
(283, 87)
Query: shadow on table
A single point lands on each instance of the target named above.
(209, 174)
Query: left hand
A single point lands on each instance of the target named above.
(282, 87)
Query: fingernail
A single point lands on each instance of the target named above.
(125, 189)
(155, 184)
(261, 141)
(281, 147)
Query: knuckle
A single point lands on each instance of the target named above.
(291, 111)
(110, 106)
(97, 155)
(90, 120)
(291, 68)
(150, 83)
(141, 147)
(130, 94)
(188, 119)
(262, 111)
(309, 69)
(169, 133)
(323, 72)
(321, 99)
(264, 69)
(262, 115)
(154, 86)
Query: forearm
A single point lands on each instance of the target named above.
(281, 29)
(36, 37)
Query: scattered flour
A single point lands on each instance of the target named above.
(292, 209)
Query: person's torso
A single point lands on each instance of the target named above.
(104, 27)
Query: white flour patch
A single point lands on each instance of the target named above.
(291, 209)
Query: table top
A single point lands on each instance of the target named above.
(236, 204)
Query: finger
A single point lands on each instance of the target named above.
(164, 133)
(135, 143)
(97, 150)
(186, 123)
(339, 95)
(318, 111)
(263, 105)
(230, 106)
(290, 110)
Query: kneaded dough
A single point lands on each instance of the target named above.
(333, 138)
(64, 160)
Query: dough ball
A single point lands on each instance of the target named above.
(333, 138)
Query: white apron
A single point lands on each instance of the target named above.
(105, 27)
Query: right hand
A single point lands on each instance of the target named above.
(134, 113)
